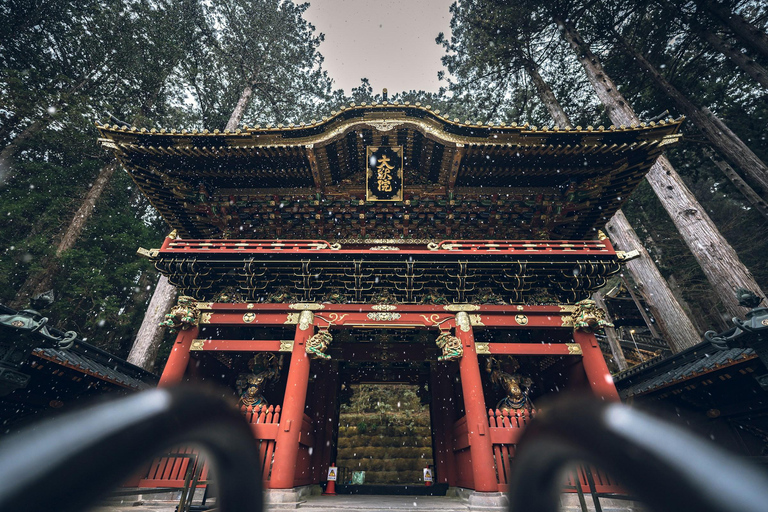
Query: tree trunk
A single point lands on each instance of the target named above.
(86, 209)
(659, 297)
(755, 200)
(150, 336)
(239, 112)
(673, 322)
(717, 259)
(722, 138)
(7, 167)
(43, 281)
(745, 31)
(758, 73)
(150, 333)
(610, 334)
(547, 96)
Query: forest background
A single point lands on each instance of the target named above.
(71, 220)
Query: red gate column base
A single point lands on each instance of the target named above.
(600, 380)
(174, 370)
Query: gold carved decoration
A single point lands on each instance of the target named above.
(476, 320)
(249, 317)
(462, 321)
(183, 316)
(292, 318)
(450, 345)
(205, 318)
(383, 125)
(307, 306)
(574, 349)
(567, 308)
(250, 306)
(204, 305)
(521, 319)
(306, 319)
(197, 345)
(173, 235)
(567, 321)
(286, 346)
(147, 253)
(383, 317)
(461, 307)
(383, 307)
(520, 308)
(600, 235)
(317, 345)
(483, 348)
(588, 317)
(336, 318)
(626, 256)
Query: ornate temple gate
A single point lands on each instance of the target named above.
(470, 451)
(388, 216)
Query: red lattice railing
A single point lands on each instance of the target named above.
(170, 470)
(506, 427)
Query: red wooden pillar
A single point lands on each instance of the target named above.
(480, 445)
(289, 430)
(176, 366)
(599, 377)
(443, 418)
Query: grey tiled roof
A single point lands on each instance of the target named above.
(103, 365)
(697, 360)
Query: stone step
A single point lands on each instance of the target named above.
(368, 503)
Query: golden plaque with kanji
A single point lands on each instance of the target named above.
(384, 176)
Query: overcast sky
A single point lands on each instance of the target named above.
(390, 42)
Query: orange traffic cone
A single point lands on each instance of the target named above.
(330, 489)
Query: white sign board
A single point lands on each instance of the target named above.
(427, 475)
(332, 474)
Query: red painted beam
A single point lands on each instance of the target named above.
(535, 349)
(350, 315)
(238, 345)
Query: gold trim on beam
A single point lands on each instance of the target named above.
(574, 349)
(567, 321)
(147, 253)
(461, 307)
(476, 320)
(483, 348)
(292, 318)
(307, 306)
(197, 345)
(286, 346)
(205, 318)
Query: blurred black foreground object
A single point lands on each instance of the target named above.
(662, 465)
(66, 464)
(70, 462)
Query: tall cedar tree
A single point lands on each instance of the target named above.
(278, 79)
(492, 41)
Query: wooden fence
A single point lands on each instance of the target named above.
(507, 426)
(461, 455)
(169, 471)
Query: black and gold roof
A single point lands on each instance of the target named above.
(461, 179)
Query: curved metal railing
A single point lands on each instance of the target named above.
(662, 465)
(69, 462)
